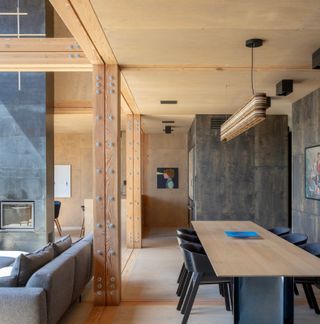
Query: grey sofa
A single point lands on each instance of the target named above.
(50, 290)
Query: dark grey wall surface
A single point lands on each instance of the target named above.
(305, 133)
(245, 178)
(26, 131)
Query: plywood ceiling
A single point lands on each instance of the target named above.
(209, 35)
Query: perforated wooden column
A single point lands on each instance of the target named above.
(112, 164)
(106, 103)
(137, 226)
(130, 183)
(99, 244)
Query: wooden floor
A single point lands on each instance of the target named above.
(148, 292)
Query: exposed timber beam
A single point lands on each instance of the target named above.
(44, 44)
(66, 12)
(43, 61)
(87, 16)
(82, 9)
(127, 96)
(72, 111)
(212, 67)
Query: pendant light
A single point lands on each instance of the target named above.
(253, 112)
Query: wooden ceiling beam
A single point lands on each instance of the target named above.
(84, 10)
(128, 97)
(39, 45)
(72, 110)
(43, 62)
(218, 68)
(68, 15)
(87, 16)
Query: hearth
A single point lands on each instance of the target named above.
(17, 215)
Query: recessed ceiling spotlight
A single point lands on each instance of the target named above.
(168, 102)
(168, 129)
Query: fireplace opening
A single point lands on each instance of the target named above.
(17, 215)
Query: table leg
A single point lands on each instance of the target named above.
(263, 300)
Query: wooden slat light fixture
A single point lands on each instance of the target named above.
(252, 113)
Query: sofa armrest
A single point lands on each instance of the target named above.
(23, 305)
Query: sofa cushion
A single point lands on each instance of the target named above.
(8, 281)
(26, 265)
(5, 261)
(61, 245)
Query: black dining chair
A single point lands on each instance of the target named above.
(184, 238)
(200, 272)
(296, 238)
(307, 282)
(279, 230)
(189, 231)
(57, 207)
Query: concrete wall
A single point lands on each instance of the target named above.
(76, 150)
(246, 178)
(26, 159)
(164, 207)
(26, 126)
(305, 133)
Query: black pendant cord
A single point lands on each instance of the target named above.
(252, 87)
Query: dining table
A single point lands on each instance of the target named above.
(262, 266)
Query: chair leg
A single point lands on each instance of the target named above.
(181, 283)
(58, 226)
(186, 298)
(296, 291)
(184, 290)
(313, 299)
(221, 289)
(231, 294)
(306, 291)
(196, 283)
(181, 272)
(226, 296)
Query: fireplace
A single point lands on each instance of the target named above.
(17, 215)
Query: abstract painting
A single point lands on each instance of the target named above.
(312, 172)
(167, 178)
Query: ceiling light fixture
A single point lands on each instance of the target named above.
(168, 102)
(253, 112)
(168, 129)
(168, 122)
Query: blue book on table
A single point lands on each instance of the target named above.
(242, 234)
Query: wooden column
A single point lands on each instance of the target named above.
(130, 183)
(112, 183)
(106, 105)
(137, 226)
(99, 243)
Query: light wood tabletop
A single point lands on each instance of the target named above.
(269, 255)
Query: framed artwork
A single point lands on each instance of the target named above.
(167, 178)
(312, 172)
(191, 174)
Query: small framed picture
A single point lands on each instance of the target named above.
(312, 172)
(167, 178)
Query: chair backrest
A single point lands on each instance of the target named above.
(195, 258)
(189, 238)
(188, 231)
(296, 238)
(279, 230)
(57, 206)
(313, 248)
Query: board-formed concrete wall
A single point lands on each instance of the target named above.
(245, 178)
(305, 133)
(26, 131)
